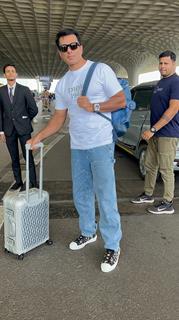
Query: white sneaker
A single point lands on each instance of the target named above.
(110, 260)
(162, 207)
(143, 198)
(81, 242)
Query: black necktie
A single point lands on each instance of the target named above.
(11, 95)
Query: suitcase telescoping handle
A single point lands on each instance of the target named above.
(28, 147)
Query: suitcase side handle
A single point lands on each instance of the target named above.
(28, 148)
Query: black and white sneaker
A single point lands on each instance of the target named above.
(81, 242)
(161, 208)
(143, 198)
(110, 260)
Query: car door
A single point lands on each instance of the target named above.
(141, 115)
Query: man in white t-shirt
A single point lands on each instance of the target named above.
(92, 147)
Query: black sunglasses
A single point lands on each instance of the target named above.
(72, 46)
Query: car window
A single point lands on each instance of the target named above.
(142, 98)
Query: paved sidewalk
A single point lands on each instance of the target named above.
(55, 283)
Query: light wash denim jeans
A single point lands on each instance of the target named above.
(93, 174)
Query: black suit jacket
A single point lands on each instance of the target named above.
(18, 114)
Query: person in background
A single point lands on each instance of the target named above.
(92, 146)
(17, 109)
(163, 136)
(46, 100)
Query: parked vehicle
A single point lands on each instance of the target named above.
(132, 141)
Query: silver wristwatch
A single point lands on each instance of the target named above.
(153, 130)
(96, 107)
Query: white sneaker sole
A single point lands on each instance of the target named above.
(161, 212)
(105, 267)
(73, 245)
(143, 201)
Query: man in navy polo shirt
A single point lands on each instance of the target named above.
(163, 136)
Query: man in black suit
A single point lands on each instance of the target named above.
(17, 109)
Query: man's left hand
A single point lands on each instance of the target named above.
(84, 103)
(2, 137)
(146, 135)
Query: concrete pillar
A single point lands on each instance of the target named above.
(38, 84)
(133, 74)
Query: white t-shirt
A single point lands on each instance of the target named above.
(87, 129)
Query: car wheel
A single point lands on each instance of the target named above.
(142, 151)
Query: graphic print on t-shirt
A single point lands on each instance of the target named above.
(75, 91)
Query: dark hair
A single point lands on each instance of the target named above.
(66, 32)
(8, 65)
(168, 53)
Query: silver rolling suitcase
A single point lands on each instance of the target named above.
(26, 215)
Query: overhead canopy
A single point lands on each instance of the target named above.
(127, 34)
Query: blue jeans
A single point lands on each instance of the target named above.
(93, 174)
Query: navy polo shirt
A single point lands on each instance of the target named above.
(165, 90)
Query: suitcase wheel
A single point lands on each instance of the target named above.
(20, 256)
(49, 242)
(5, 250)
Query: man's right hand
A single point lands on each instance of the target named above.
(33, 141)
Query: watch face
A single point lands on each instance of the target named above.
(96, 107)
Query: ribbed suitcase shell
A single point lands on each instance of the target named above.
(26, 224)
(26, 217)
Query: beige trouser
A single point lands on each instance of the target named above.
(160, 155)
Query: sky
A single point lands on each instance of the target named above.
(150, 76)
(32, 83)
